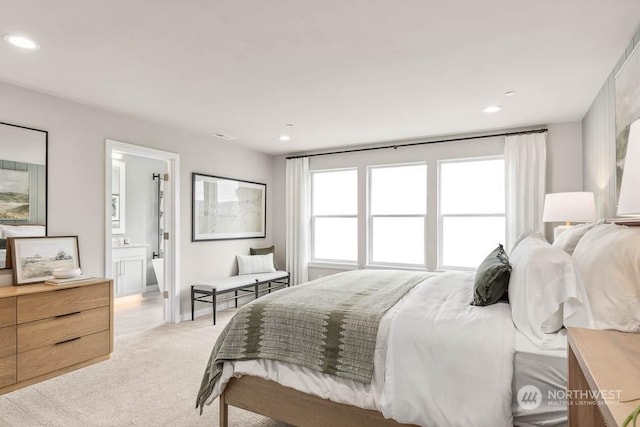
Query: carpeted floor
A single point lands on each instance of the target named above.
(151, 379)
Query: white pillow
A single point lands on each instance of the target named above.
(22, 231)
(568, 239)
(544, 292)
(608, 262)
(252, 264)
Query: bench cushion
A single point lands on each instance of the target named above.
(238, 282)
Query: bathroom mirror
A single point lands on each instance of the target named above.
(23, 183)
(118, 190)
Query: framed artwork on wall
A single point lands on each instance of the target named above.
(35, 258)
(115, 207)
(627, 82)
(226, 208)
(14, 194)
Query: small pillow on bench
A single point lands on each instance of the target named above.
(252, 264)
(264, 251)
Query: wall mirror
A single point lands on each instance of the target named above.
(118, 192)
(23, 183)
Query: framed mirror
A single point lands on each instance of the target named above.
(118, 192)
(23, 183)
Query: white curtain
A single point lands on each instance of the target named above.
(526, 163)
(298, 219)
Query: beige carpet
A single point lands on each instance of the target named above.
(151, 379)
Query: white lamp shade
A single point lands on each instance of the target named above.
(576, 206)
(629, 201)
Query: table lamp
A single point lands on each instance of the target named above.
(577, 206)
(629, 200)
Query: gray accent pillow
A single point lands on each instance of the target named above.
(492, 278)
(264, 251)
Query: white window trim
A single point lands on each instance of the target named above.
(333, 265)
(370, 263)
(441, 216)
(328, 261)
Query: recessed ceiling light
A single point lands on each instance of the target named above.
(492, 109)
(21, 41)
(510, 93)
(284, 138)
(224, 136)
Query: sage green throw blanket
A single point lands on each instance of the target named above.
(329, 325)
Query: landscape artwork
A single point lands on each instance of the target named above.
(627, 109)
(227, 208)
(14, 194)
(115, 207)
(35, 258)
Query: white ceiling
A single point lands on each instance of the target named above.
(344, 72)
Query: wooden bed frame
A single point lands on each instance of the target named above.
(290, 406)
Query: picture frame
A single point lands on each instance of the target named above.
(227, 208)
(35, 258)
(627, 109)
(15, 194)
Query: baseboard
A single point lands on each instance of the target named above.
(151, 288)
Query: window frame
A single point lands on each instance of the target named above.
(441, 216)
(313, 217)
(370, 217)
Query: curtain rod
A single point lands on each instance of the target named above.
(411, 144)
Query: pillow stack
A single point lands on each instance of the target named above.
(261, 260)
(545, 293)
(254, 264)
(568, 240)
(608, 262)
(264, 251)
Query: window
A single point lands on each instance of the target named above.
(334, 215)
(397, 212)
(471, 218)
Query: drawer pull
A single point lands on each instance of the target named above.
(68, 314)
(66, 341)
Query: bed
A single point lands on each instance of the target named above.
(462, 365)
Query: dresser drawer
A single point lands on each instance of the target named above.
(42, 333)
(7, 371)
(7, 341)
(7, 311)
(48, 359)
(63, 301)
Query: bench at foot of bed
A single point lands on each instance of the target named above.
(209, 292)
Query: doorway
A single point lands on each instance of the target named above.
(142, 233)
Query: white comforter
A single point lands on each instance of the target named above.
(439, 361)
(449, 363)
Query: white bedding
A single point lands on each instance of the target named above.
(449, 363)
(457, 373)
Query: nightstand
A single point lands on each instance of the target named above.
(604, 372)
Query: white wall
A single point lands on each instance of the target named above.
(77, 136)
(599, 130)
(564, 173)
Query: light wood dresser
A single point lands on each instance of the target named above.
(604, 377)
(48, 330)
